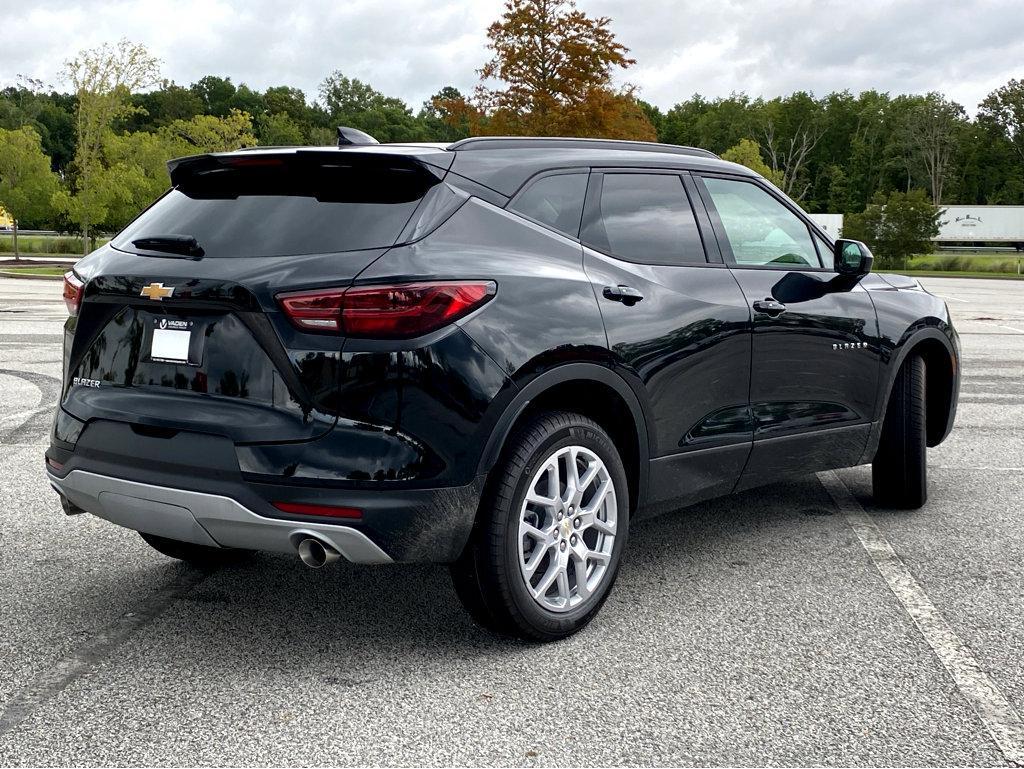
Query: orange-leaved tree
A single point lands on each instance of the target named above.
(552, 69)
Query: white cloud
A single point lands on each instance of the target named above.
(411, 48)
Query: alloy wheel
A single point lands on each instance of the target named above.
(567, 526)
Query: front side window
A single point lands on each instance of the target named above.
(761, 230)
(645, 218)
(825, 251)
(556, 201)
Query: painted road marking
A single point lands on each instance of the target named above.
(996, 713)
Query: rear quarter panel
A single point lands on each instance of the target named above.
(543, 315)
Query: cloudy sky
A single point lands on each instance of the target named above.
(410, 48)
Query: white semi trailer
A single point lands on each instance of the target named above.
(982, 224)
(991, 225)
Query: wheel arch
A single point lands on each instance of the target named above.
(596, 392)
(942, 377)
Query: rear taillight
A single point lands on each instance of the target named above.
(73, 289)
(314, 310)
(398, 311)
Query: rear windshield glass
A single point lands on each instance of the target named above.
(284, 207)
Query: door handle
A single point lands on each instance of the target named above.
(625, 294)
(769, 306)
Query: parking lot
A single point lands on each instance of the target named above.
(775, 627)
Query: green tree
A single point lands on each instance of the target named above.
(713, 125)
(290, 101)
(354, 103)
(1004, 108)
(838, 198)
(246, 100)
(215, 94)
(933, 130)
(792, 128)
(51, 115)
(104, 79)
(748, 153)
(162, 106)
(896, 226)
(447, 115)
(206, 133)
(26, 182)
(279, 130)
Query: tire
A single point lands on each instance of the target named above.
(512, 534)
(899, 472)
(196, 555)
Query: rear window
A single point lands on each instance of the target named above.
(285, 207)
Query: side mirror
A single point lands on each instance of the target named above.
(852, 258)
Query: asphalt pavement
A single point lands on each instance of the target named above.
(791, 625)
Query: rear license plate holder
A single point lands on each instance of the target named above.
(174, 341)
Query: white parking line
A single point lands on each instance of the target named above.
(996, 713)
(1011, 328)
(983, 468)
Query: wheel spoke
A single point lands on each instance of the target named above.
(534, 498)
(563, 584)
(580, 566)
(536, 558)
(599, 497)
(554, 479)
(588, 477)
(527, 528)
(554, 569)
(597, 555)
(572, 481)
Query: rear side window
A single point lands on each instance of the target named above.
(556, 201)
(285, 207)
(645, 218)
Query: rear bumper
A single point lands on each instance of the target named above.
(185, 488)
(190, 485)
(204, 519)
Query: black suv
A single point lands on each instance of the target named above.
(495, 354)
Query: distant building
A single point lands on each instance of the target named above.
(6, 220)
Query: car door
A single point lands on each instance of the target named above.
(677, 324)
(815, 351)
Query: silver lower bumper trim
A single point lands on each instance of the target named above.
(205, 519)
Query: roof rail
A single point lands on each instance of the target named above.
(554, 142)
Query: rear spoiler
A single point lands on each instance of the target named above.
(421, 159)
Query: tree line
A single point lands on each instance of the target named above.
(89, 156)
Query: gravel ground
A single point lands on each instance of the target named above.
(749, 630)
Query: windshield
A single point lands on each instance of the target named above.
(282, 207)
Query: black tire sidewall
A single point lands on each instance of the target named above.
(899, 469)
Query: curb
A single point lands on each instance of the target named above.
(23, 276)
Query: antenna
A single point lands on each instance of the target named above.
(347, 136)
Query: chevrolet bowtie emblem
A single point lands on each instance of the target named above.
(156, 291)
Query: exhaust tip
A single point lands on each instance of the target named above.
(315, 554)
